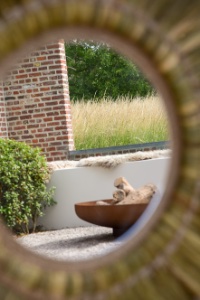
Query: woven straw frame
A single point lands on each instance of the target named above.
(161, 261)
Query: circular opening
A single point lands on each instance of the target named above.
(75, 241)
(150, 216)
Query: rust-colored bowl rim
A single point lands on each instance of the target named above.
(115, 216)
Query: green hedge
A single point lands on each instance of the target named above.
(23, 192)
(96, 71)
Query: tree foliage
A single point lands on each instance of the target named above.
(23, 193)
(96, 71)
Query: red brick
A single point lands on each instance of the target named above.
(57, 56)
(41, 115)
(60, 61)
(35, 74)
(59, 118)
(42, 68)
(35, 141)
(42, 140)
(22, 127)
(56, 68)
(53, 123)
(28, 136)
(48, 62)
(49, 83)
(52, 103)
(46, 99)
(44, 89)
(37, 95)
(59, 71)
(21, 76)
(61, 128)
(40, 135)
(53, 46)
(39, 58)
(32, 126)
(44, 78)
(29, 65)
(48, 119)
(49, 149)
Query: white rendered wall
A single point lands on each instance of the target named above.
(83, 184)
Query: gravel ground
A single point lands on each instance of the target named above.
(72, 244)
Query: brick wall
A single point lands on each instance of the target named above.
(37, 102)
(3, 121)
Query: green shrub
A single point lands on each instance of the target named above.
(23, 192)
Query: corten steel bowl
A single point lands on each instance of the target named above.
(118, 217)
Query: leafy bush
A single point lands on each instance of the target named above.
(95, 71)
(23, 192)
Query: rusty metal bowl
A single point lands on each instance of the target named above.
(118, 217)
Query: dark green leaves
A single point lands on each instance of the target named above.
(23, 193)
(96, 71)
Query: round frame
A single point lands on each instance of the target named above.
(163, 257)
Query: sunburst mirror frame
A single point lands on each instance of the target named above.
(162, 260)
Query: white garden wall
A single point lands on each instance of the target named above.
(82, 184)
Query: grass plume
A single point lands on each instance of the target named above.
(113, 123)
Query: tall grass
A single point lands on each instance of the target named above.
(125, 121)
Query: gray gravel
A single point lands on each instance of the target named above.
(72, 244)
